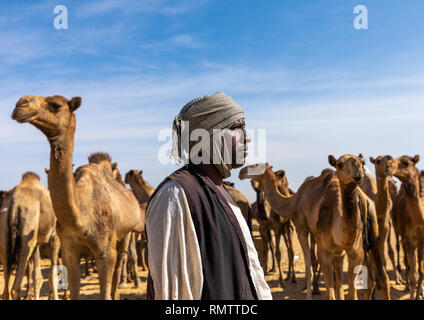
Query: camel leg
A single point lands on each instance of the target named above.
(326, 263)
(123, 263)
(338, 273)
(287, 240)
(303, 237)
(392, 254)
(315, 267)
(30, 293)
(22, 262)
(291, 252)
(121, 252)
(412, 264)
(71, 260)
(143, 252)
(277, 232)
(54, 244)
(133, 260)
(355, 258)
(37, 276)
(420, 262)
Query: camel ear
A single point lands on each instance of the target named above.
(46, 170)
(361, 156)
(372, 160)
(114, 165)
(75, 103)
(332, 161)
(416, 159)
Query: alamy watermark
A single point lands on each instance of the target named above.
(361, 20)
(61, 19)
(361, 279)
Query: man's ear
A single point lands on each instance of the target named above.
(75, 103)
(416, 159)
(332, 161)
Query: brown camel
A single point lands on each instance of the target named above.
(241, 201)
(315, 208)
(409, 216)
(27, 220)
(94, 212)
(386, 193)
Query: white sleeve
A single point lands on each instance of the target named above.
(173, 250)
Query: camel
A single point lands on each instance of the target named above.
(94, 212)
(27, 220)
(409, 216)
(142, 191)
(319, 207)
(270, 221)
(241, 201)
(386, 193)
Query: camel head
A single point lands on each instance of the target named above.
(380, 165)
(54, 115)
(136, 177)
(260, 173)
(282, 182)
(403, 168)
(349, 168)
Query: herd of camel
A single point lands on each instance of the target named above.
(91, 213)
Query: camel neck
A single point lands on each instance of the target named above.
(383, 201)
(141, 192)
(350, 211)
(415, 202)
(260, 202)
(61, 181)
(280, 204)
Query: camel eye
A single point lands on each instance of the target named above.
(55, 105)
(378, 161)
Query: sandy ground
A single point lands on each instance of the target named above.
(291, 291)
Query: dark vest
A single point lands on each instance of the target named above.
(225, 262)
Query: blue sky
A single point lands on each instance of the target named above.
(298, 68)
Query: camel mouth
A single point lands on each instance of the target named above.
(22, 118)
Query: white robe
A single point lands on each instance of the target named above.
(174, 254)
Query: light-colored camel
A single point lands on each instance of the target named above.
(409, 216)
(130, 258)
(386, 193)
(94, 212)
(316, 208)
(270, 221)
(27, 220)
(142, 191)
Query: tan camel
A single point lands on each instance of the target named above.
(142, 191)
(27, 220)
(386, 193)
(270, 221)
(409, 216)
(315, 208)
(298, 207)
(94, 212)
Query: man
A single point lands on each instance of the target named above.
(199, 245)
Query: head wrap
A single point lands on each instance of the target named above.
(217, 111)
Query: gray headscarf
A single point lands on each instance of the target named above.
(217, 111)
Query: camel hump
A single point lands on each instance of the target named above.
(30, 175)
(98, 157)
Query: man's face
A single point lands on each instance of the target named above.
(239, 143)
